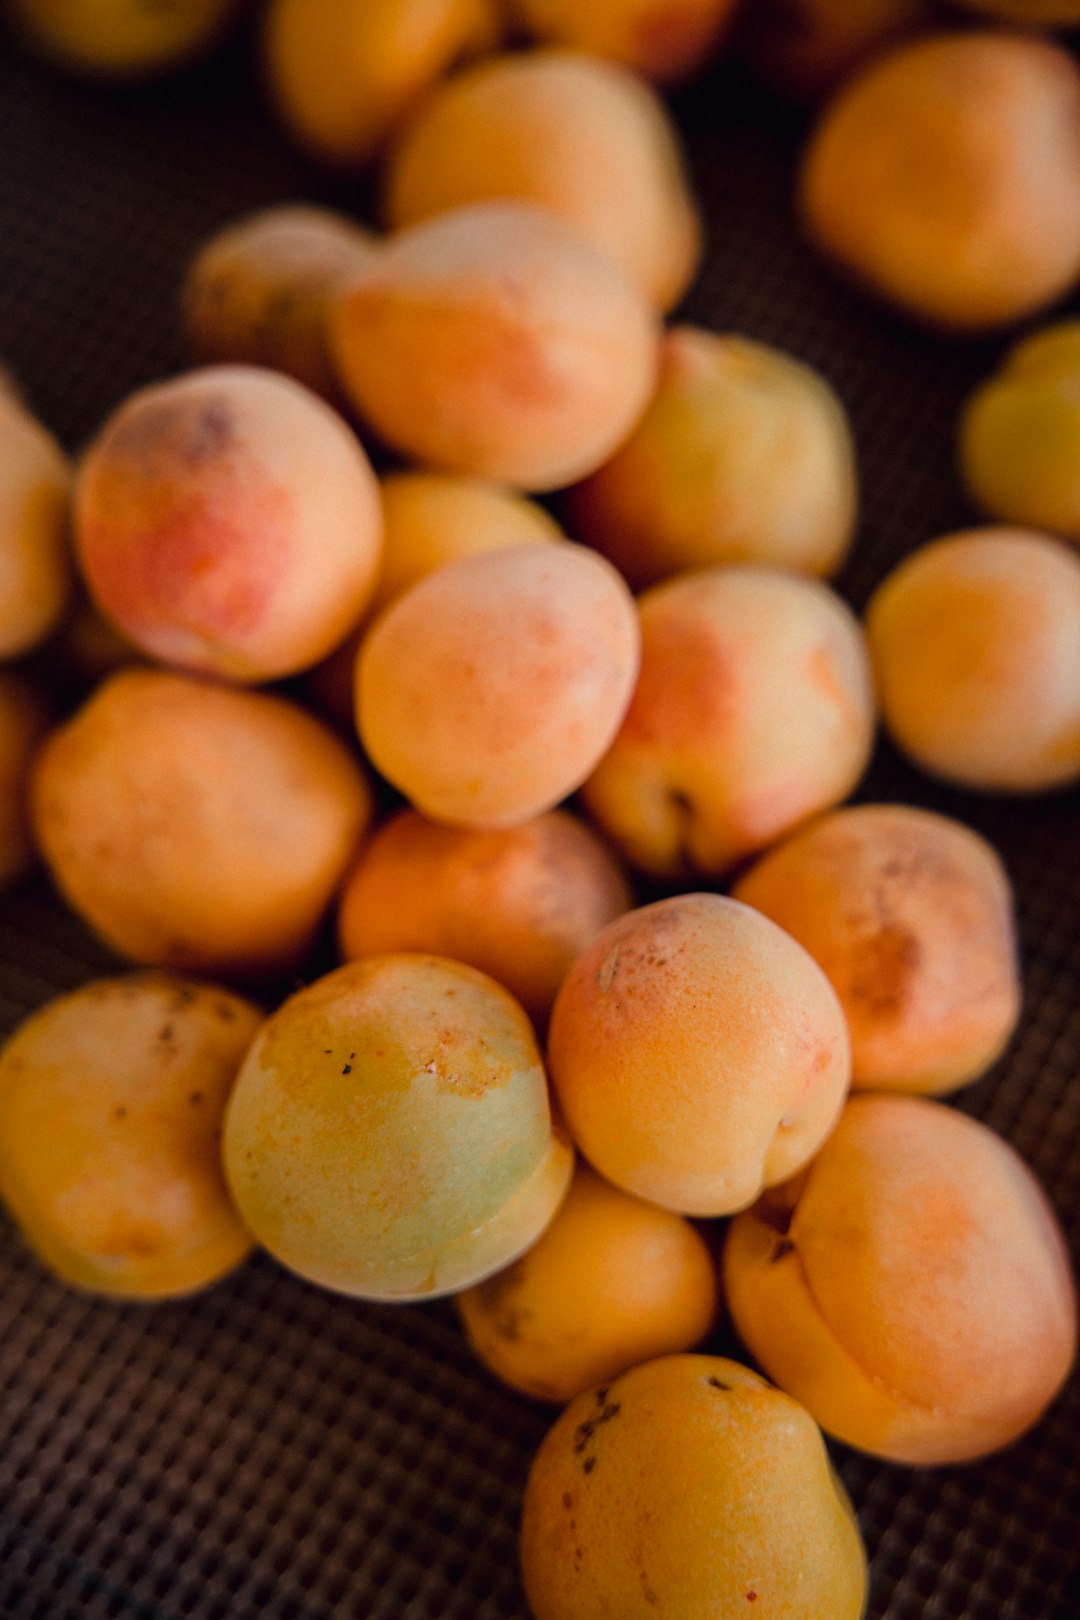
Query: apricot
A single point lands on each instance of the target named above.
(911, 1288)
(975, 640)
(946, 176)
(911, 916)
(122, 38)
(1031, 13)
(743, 455)
(1020, 434)
(197, 826)
(111, 1104)
(490, 690)
(688, 1487)
(520, 903)
(754, 710)
(228, 521)
(259, 291)
(25, 719)
(804, 48)
(344, 73)
(570, 132)
(35, 503)
(496, 341)
(698, 1053)
(663, 40)
(389, 1135)
(612, 1282)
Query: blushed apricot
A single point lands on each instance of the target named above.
(111, 1103)
(571, 133)
(687, 1488)
(35, 505)
(698, 1053)
(125, 38)
(911, 1288)
(197, 826)
(228, 521)
(754, 710)
(663, 40)
(25, 719)
(489, 691)
(520, 903)
(612, 1282)
(495, 340)
(803, 48)
(259, 290)
(975, 640)
(345, 72)
(743, 455)
(911, 916)
(946, 176)
(389, 1134)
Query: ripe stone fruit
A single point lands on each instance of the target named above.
(688, 1488)
(698, 1053)
(35, 503)
(390, 1136)
(111, 1101)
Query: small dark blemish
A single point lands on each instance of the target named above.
(751, 1596)
(166, 1032)
(718, 1383)
(602, 1394)
(120, 1112)
(226, 1013)
(347, 1069)
(785, 1246)
(589, 1464)
(195, 1098)
(567, 1501)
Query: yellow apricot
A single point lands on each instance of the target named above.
(912, 1287)
(35, 508)
(25, 719)
(126, 38)
(664, 40)
(569, 132)
(975, 641)
(946, 176)
(612, 1282)
(111, 1103)
(688, 1488)
(389, 1134)
(698, 1053)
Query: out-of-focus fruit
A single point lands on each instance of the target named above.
(803, 48)
(911, 1288)
(689, 1487)
(946, 176)
(122, 38)
(612, 1282)
(975, 640)
(663, 40)
(911, 916)
(111, 1103)
(754, 710)
(743, 455)
(259, 291)
(196, 826)
(345, 72)
(25, 718)
(1030, 13)
(489, 691)
(389, 1135)
(519, 904)
(699, 1053)
(228, 521)
(571, 133)
(496, 340)
(35, 501)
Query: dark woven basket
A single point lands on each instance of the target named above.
(269, 1450)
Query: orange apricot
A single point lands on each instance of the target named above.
(698, 1053)
(122, 38)
(911, 1287)
(35, 507)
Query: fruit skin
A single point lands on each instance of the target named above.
(663, 40)
(228, 521)
(35, 517)
(496, 340)
(975, 643)
(122, 38)
(489, 691)
(912, 1287)
(744, 455)
(111, 1101)
(946, 177)
(612, 1282)
(566, 131)
(690, 1488)
(698, 1053)
(911, 916)
(389, 1135)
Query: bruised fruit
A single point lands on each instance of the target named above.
(389, 1135)
(698, 1053)
(911, 916)
(612, 1282)
(911, 1288)
(111, 1102)
(687, 1488)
